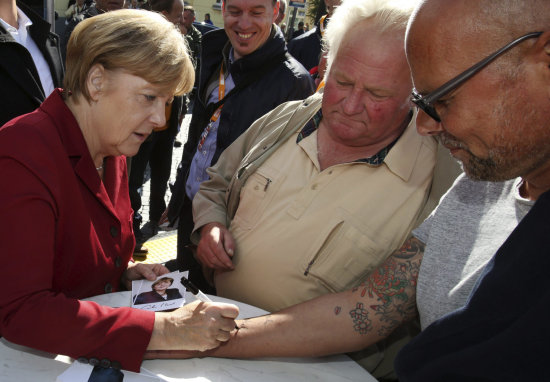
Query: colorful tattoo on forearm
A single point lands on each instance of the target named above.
(393, 286)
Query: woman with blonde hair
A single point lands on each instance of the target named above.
(66, 228)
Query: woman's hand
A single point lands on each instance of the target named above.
(139, 271)
(197, 326)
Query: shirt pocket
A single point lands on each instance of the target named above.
(257, 193)
(344, 254)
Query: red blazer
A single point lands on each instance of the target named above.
(64, 235)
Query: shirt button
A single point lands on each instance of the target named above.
(82, 360)
(314, 187)
(114, 231)
(108, 288)
(330, 172)
(118, 262)
(93, 361)
(105, 363)
(204, 152)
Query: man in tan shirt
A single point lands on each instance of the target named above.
(320, 192)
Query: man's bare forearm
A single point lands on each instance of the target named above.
(333, 323)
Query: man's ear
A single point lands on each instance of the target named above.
(539, 56)
(540, 52)
(96, 81)
(275, 11)
(546, 49)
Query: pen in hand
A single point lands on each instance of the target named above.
(197, 292)
(193, 289)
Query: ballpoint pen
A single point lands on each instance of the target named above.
(194, 289)
(197, 292)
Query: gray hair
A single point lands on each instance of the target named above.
(390, 16)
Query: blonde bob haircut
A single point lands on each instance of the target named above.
(140, 42)
(389, 16)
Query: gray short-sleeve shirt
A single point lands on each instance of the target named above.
(471, 222)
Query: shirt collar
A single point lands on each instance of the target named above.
(23, 19)
(19, 34)
(411, 146)
(228, 57)
(310, 126)
(7, 26)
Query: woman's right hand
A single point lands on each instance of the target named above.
(197, 326)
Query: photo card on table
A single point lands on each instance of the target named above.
(164, 294)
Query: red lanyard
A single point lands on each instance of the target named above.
(221, 94)
(216, 115)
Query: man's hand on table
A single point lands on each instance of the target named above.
(216, 247)
(196, 326)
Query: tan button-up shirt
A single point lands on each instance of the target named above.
(302, 232)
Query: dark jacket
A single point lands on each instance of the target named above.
(89, 12)
(298, 33)
(194, 38)
(285, 82)
(307, 48)
(21, 87)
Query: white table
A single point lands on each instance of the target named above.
(22, 364)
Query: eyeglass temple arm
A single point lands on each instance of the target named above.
(455, 82)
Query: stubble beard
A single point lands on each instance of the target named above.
(521, 145)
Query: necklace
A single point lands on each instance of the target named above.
(99, 168)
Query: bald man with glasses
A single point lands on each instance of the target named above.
(481, 74)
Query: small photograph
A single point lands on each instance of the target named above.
(165, 293)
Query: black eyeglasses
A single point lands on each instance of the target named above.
(426, 102)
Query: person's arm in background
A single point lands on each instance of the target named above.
(333, 323)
